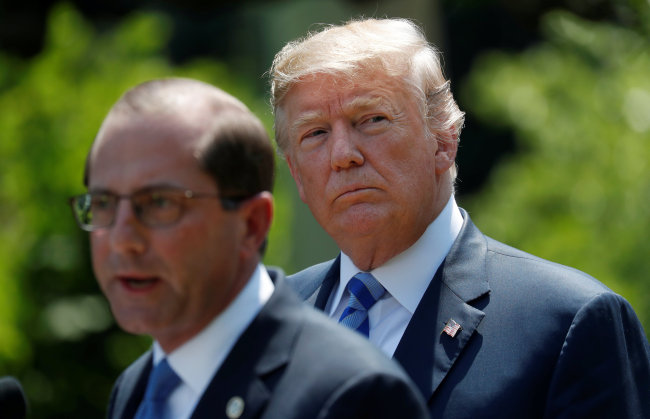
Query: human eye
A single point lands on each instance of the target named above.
(373, 123)
(158, 207)
(159, 200)
(102, 201)
(312, 137)
(314, 133)
(374, 119)
(98, 208)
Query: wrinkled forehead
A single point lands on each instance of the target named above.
(311, 97)
(342, 74)
(366, 87)
(366, 80)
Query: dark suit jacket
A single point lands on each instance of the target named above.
(292, 362)
(538, 340)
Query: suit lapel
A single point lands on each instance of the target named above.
(315, 283)
(131, 388)
(321, 296)
(262, 351)
(424, 351)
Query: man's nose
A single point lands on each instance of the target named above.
(345, 152)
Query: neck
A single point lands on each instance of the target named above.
(170, 340)
(371, 252)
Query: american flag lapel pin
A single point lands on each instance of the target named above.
(451, 328)
(235, 407)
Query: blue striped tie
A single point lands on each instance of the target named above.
(162, 381)
(364, 290)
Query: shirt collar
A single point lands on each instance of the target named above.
(407, 275)
(197, 360)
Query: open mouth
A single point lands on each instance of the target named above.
(139, 284)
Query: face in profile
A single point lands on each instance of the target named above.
(361, 157)
(166, 281)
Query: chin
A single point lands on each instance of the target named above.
(370, 214)
(136, 323)
(355, 228)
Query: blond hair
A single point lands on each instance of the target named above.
(397, 47)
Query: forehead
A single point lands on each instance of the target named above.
(325, 93)
(133, 152)
(321, 98)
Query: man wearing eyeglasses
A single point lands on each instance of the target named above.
(178, 209)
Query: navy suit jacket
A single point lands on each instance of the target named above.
(292, 362)
(538, 340)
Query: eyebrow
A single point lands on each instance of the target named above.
(364, 102)
(305, 118)
(358, 103)
(152, 187)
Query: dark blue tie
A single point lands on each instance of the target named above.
(364, 290)
(162, 381)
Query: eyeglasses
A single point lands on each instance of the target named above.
(153, 207)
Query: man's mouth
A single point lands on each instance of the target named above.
(138, 284)
(354, 190)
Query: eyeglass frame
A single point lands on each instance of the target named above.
(228, 203)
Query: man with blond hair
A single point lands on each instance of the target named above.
(369, 129)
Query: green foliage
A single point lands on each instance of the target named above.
(578, 189)
(56, 332)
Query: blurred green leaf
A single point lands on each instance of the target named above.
(57, 333)
(578, 189)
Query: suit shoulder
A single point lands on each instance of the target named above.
(318, 270)
(343, 375)
(523, 267)
(307, 281)
(371, 396)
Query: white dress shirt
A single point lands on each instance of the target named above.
(197, 360)
(405, 278)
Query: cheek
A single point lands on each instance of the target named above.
(316, 176)
(99, 250)
(314, 192)
(204, 242)
(207, 263)
(311, 178)
(180, 249)
(100, 256)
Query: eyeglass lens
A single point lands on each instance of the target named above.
(151, 207)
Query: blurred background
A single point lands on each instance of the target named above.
(553, 158)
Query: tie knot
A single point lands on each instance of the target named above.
(366, 289)
(162, 381)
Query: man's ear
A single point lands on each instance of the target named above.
(258, 215)
(446, 151)
(296, 176)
